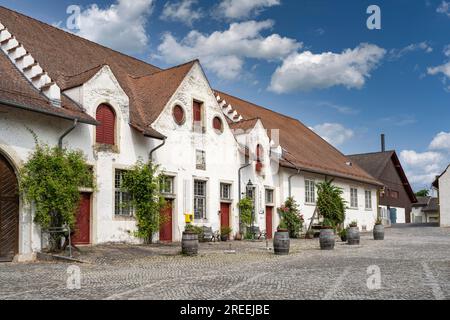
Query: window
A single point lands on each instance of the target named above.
(353, 197)
(178, 115)
(197, 115)
(394, 194)
(368, 199)
(259, 158)
(105, 131)
(167, 185)
(218, 125)
(310, 191)
(225, 191)
(199, 199)
(200, 160)
(122, 198)
(269, 196)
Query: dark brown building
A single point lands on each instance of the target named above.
(397, 196)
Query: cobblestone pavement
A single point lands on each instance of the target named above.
(414, 264)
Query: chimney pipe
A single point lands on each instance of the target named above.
(383, 143)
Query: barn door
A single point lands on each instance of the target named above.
(9, 211)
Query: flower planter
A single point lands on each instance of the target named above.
(344, 238)
(189, 244)
(378, 232)
(327, 239)
(281, 243)
(224, 238)
(353, 237)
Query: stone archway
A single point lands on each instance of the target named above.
(9, 211)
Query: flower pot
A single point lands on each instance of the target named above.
(344, 238)
(224, 238)
(189, 244)
(353, 236)
(378, 232)
(281, 243)
(327, 239)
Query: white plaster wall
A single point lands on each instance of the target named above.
(417, 216)
(444, 199)
(365, 217)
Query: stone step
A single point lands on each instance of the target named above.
(22, 56)
(38, 76)
(47, 86)
(6, 41)
(11, 50)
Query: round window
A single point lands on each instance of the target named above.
(178, 115)
(217, 124)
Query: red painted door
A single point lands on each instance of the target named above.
(83, 227)
(165, 231)
(224, 215)
(269, 216)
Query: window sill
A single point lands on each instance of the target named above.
(168, 195)
(310, 204)
(124, 218)
(98, 147)
(226, 200)
(353, 208)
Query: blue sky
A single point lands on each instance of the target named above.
(315, 60)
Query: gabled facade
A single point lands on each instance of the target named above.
(396, 197)
(442, 184)
(213, 148)
(425, 210)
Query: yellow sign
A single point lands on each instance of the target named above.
(188, 217)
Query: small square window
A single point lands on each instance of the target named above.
(122, 198)
(368, 199)
(353, 197)
(167, 185)
(269, 196)
(310, 191)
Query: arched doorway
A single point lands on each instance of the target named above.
(9, 211)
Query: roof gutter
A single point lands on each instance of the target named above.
(48, 113)
(60, 141)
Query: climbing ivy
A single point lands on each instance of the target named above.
(143, 184)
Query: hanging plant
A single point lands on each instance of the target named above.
(50, 180)
(143, 184)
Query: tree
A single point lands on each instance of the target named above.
(50, 180)
(143, 184)
(330, 202)
(290, 217)
(423, 193)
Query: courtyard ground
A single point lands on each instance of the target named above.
(414, 263)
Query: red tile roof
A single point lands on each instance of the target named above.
(304, 149)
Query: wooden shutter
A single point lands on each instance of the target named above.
(197, 108)
(107, 127)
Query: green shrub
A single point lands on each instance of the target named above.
(330, 203)
(290, 217)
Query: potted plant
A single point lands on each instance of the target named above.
(225, 233)
(343, 235)
(189, 241)
(309, 234)
(327, 236)
(281, 240)
(378, 230)
(353, 233)
(290, 214)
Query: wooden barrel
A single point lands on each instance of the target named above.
(189, 244)
(378, 232)
(281, 243)
(327, 239)
(353, 236)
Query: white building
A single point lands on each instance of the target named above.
(426, 210)
(442, 184)
(118, 110)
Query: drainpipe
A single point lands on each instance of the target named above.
(150, 156)
(239, 190)
(60, 141)
(290, 181)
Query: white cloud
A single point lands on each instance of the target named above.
(423, 167)
(441, 142)
(181, 11)
(224, 52)
(307, 71)
(395, 54)
(444, 8)
(334, 133)
(447, 50)
(121, 26)
(241, 9)
(444, 69)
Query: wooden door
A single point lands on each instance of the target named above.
(224, 215)
(9, 211)
(165, 231)
(269, 226)
(82, 233)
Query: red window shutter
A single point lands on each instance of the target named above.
(217, 124)
(105, 133)
(197, 111)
